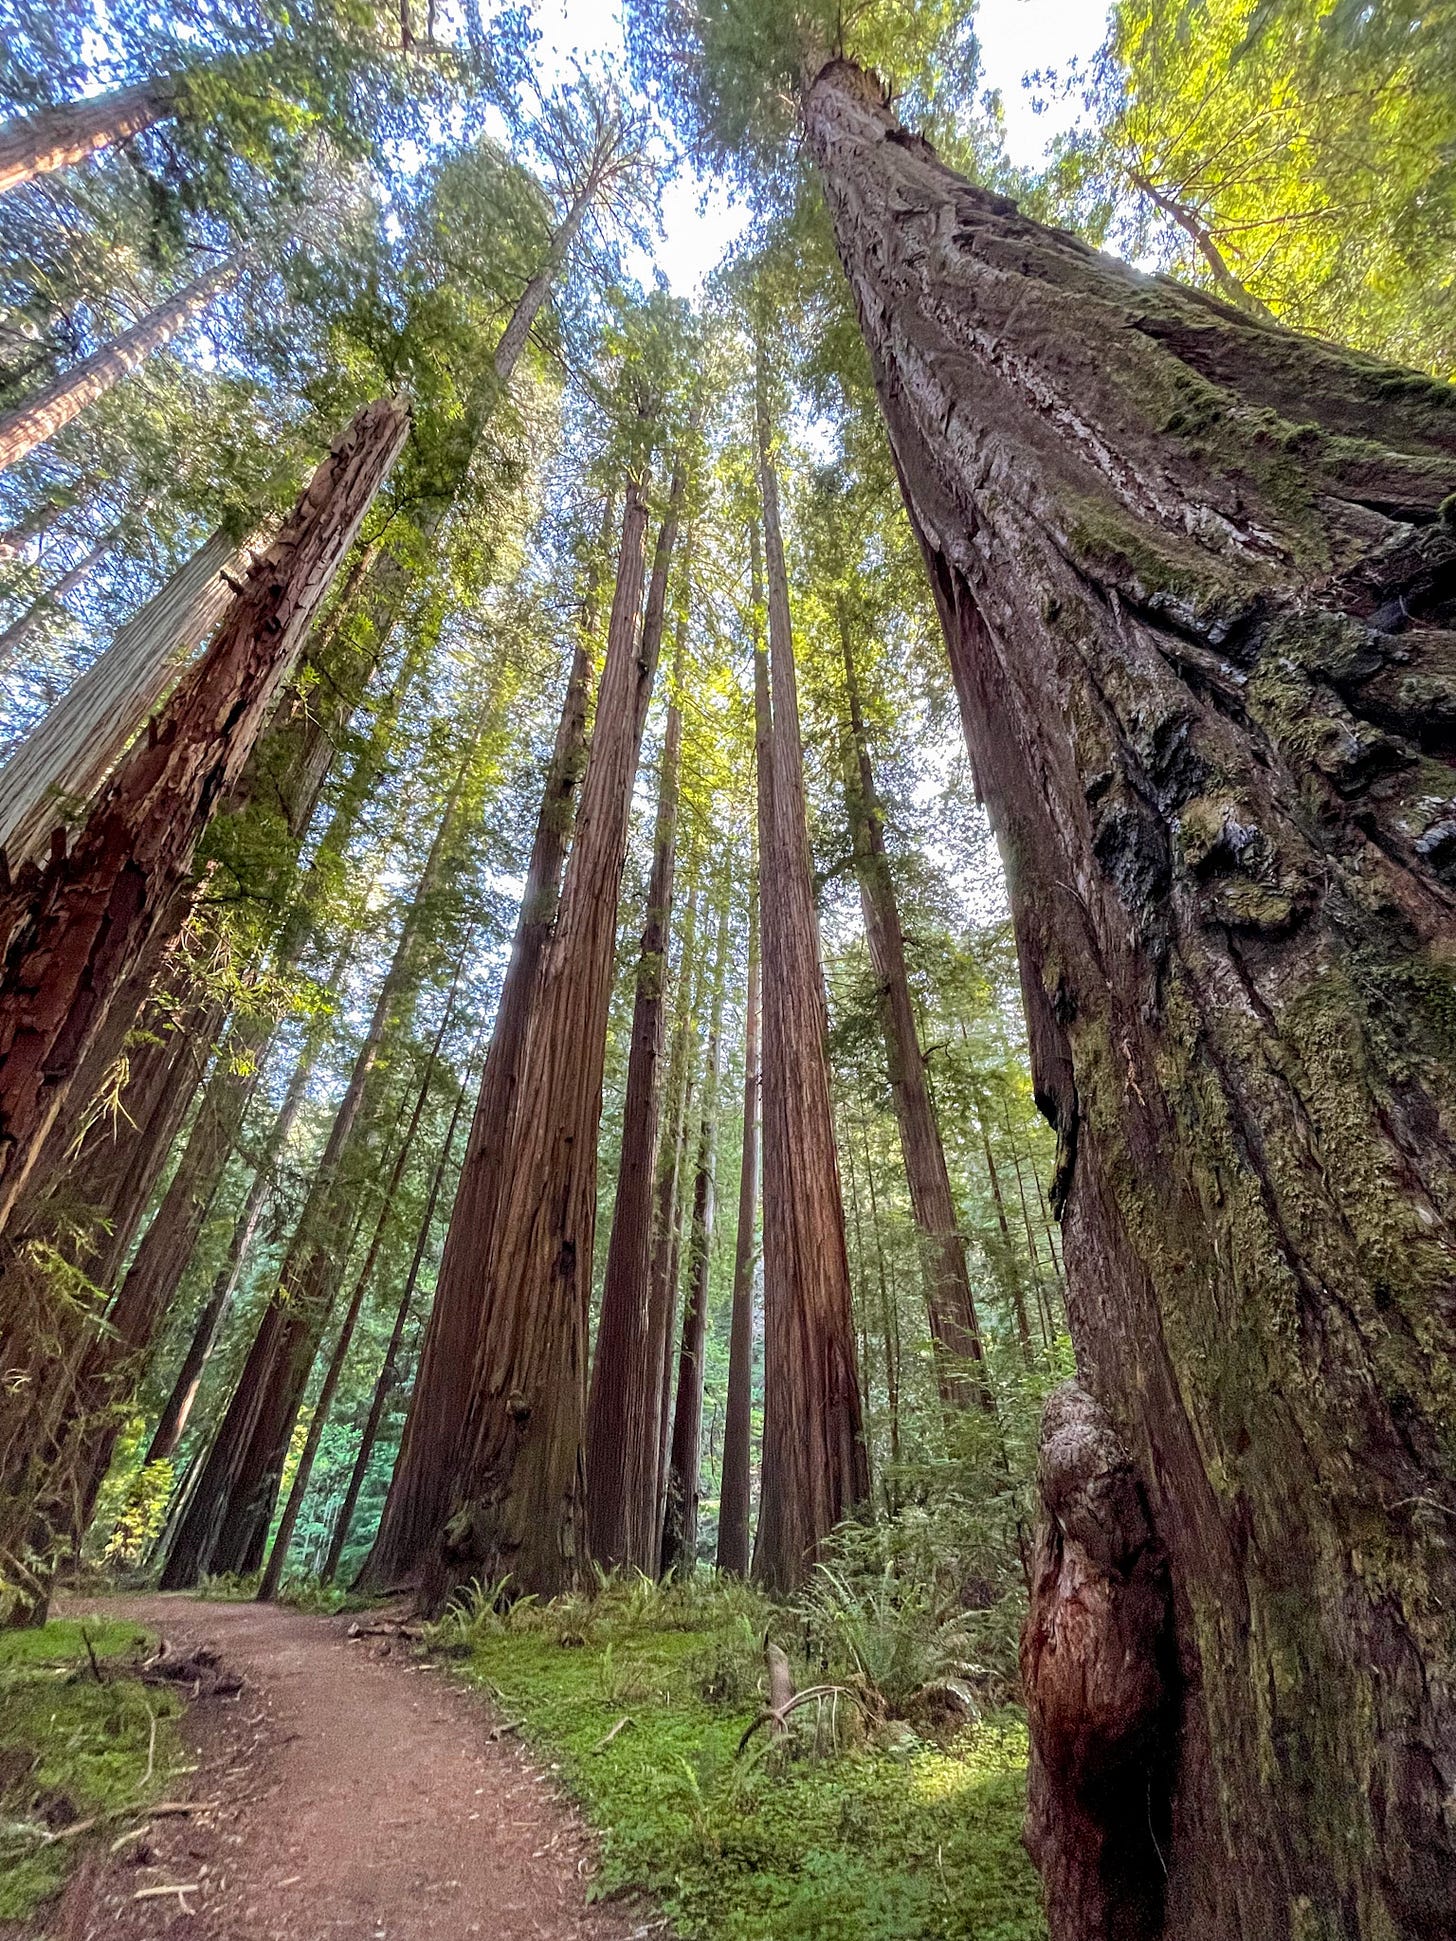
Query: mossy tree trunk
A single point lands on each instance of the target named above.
(520, 1491)
(815, 1468)
(1196, 577)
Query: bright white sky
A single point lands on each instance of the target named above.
(1017, 37)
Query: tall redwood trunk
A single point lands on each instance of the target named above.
(388, 1371)
(66, 757)
(1196, 578)
(621, 1420)
(53, 138)
(226, 1523)
(49, 605)
(737, 1471)
(679, 1540)
(814, 1468)
(37, 421)
(420, 1490)
(954, 1329)
(520, 1493)
(72, 936)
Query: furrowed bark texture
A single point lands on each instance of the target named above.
(954, 1328)
(52, 409)
(421, 1490)
(679, 1546)
(73, 934)
(226, 1524)
(737, 1472)
(32, 145)
(1196, 577)
(59, 766)
(621, 1419)
(521, 1498)
(815, 1468)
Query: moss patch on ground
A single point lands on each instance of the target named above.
(74, 1746)
(892, 1838)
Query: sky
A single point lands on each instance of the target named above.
(1017, 37)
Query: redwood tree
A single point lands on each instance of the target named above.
(621, 1421)
(679, 1544)
(520, 1495)
(38, 420)
(419, 1496)
(815, 1468)
(736, 1484)
(1196, 579)
(72, 935)
(53, 138)
(954, 1329)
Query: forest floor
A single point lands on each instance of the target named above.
(360, 1797)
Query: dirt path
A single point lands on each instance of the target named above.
(360, 1799)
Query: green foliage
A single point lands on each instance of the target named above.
(883, 1843)
(905, 1653)
(1302, 152)
(81, 1738)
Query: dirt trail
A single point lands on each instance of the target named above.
(361, 1799)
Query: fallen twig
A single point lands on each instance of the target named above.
(607, 1737)
(181, 1889)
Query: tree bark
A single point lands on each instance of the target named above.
(1196, 582)
(62, 763)
(814, 1468)
(32, 145)
(954, 1328)
(226, 1524)
(384, 1386)
(679, 1546)
(521, 1495)
(72, 936)
(278, 1556)
(419, 1498)
(621, 1422)
(52, 409)
(737, 1472)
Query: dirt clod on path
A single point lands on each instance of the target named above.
(360, 1797)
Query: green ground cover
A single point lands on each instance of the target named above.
(77, 1742)
(865, 1831)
